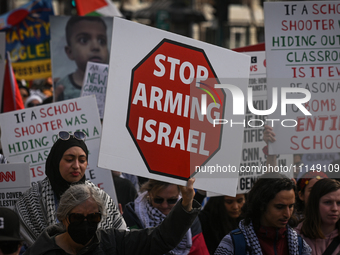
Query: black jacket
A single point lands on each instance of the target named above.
(159, 240)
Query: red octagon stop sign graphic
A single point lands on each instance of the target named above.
(164, 115)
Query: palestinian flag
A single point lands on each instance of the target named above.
(97, 8)
(11, 100)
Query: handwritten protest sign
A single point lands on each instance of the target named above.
(153, 124)
(15, 180)
(253, 157)
(28, 135)
(318, 160)
(95, 81)
(302, 50)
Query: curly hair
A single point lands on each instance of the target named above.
(263, 191)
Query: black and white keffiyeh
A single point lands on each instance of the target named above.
(152, 217)
(3, 159)
(226, 246)
(36, 209)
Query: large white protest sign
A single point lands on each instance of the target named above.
(95, 81)
(15, 180)
(154, 125)
(27, 136)
(2, 62)
(302, 51)
(253, 160)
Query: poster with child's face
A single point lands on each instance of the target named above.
(75, 40)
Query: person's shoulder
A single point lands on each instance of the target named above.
(294, 233)
(45, 244)
(108, 236)
(226, 246)
(298, 228)
(34, 190)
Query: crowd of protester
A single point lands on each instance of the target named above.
(66, 214)
(278, 215)
(36, 92)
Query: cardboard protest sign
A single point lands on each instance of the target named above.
(28, 39)
(253, 157)
(155, 124)
(95, 82)
(87, 39)
(318, 161)
(15, 180)
(302, 41)
(320, 158)
(28, 135)
(2, 63)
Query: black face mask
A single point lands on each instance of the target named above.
(82, 233)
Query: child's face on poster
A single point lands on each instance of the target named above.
(88, 42)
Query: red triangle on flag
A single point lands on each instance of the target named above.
(85, 6)
(11, 94)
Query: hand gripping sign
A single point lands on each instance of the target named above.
(164, 115)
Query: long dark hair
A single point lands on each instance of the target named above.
(219, 215)
(216, 222)
(263, 191)
(311, 226)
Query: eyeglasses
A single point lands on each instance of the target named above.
(160, 200)
(79, 218)
(64, 135)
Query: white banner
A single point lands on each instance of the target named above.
(302, 50)
(15, 180)
(27, 136)
(153, 124)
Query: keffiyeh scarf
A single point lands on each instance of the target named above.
(36, 209)
(152, 217)
(226, 246)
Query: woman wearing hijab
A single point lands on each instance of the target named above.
(153, 205)
(65, 165)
